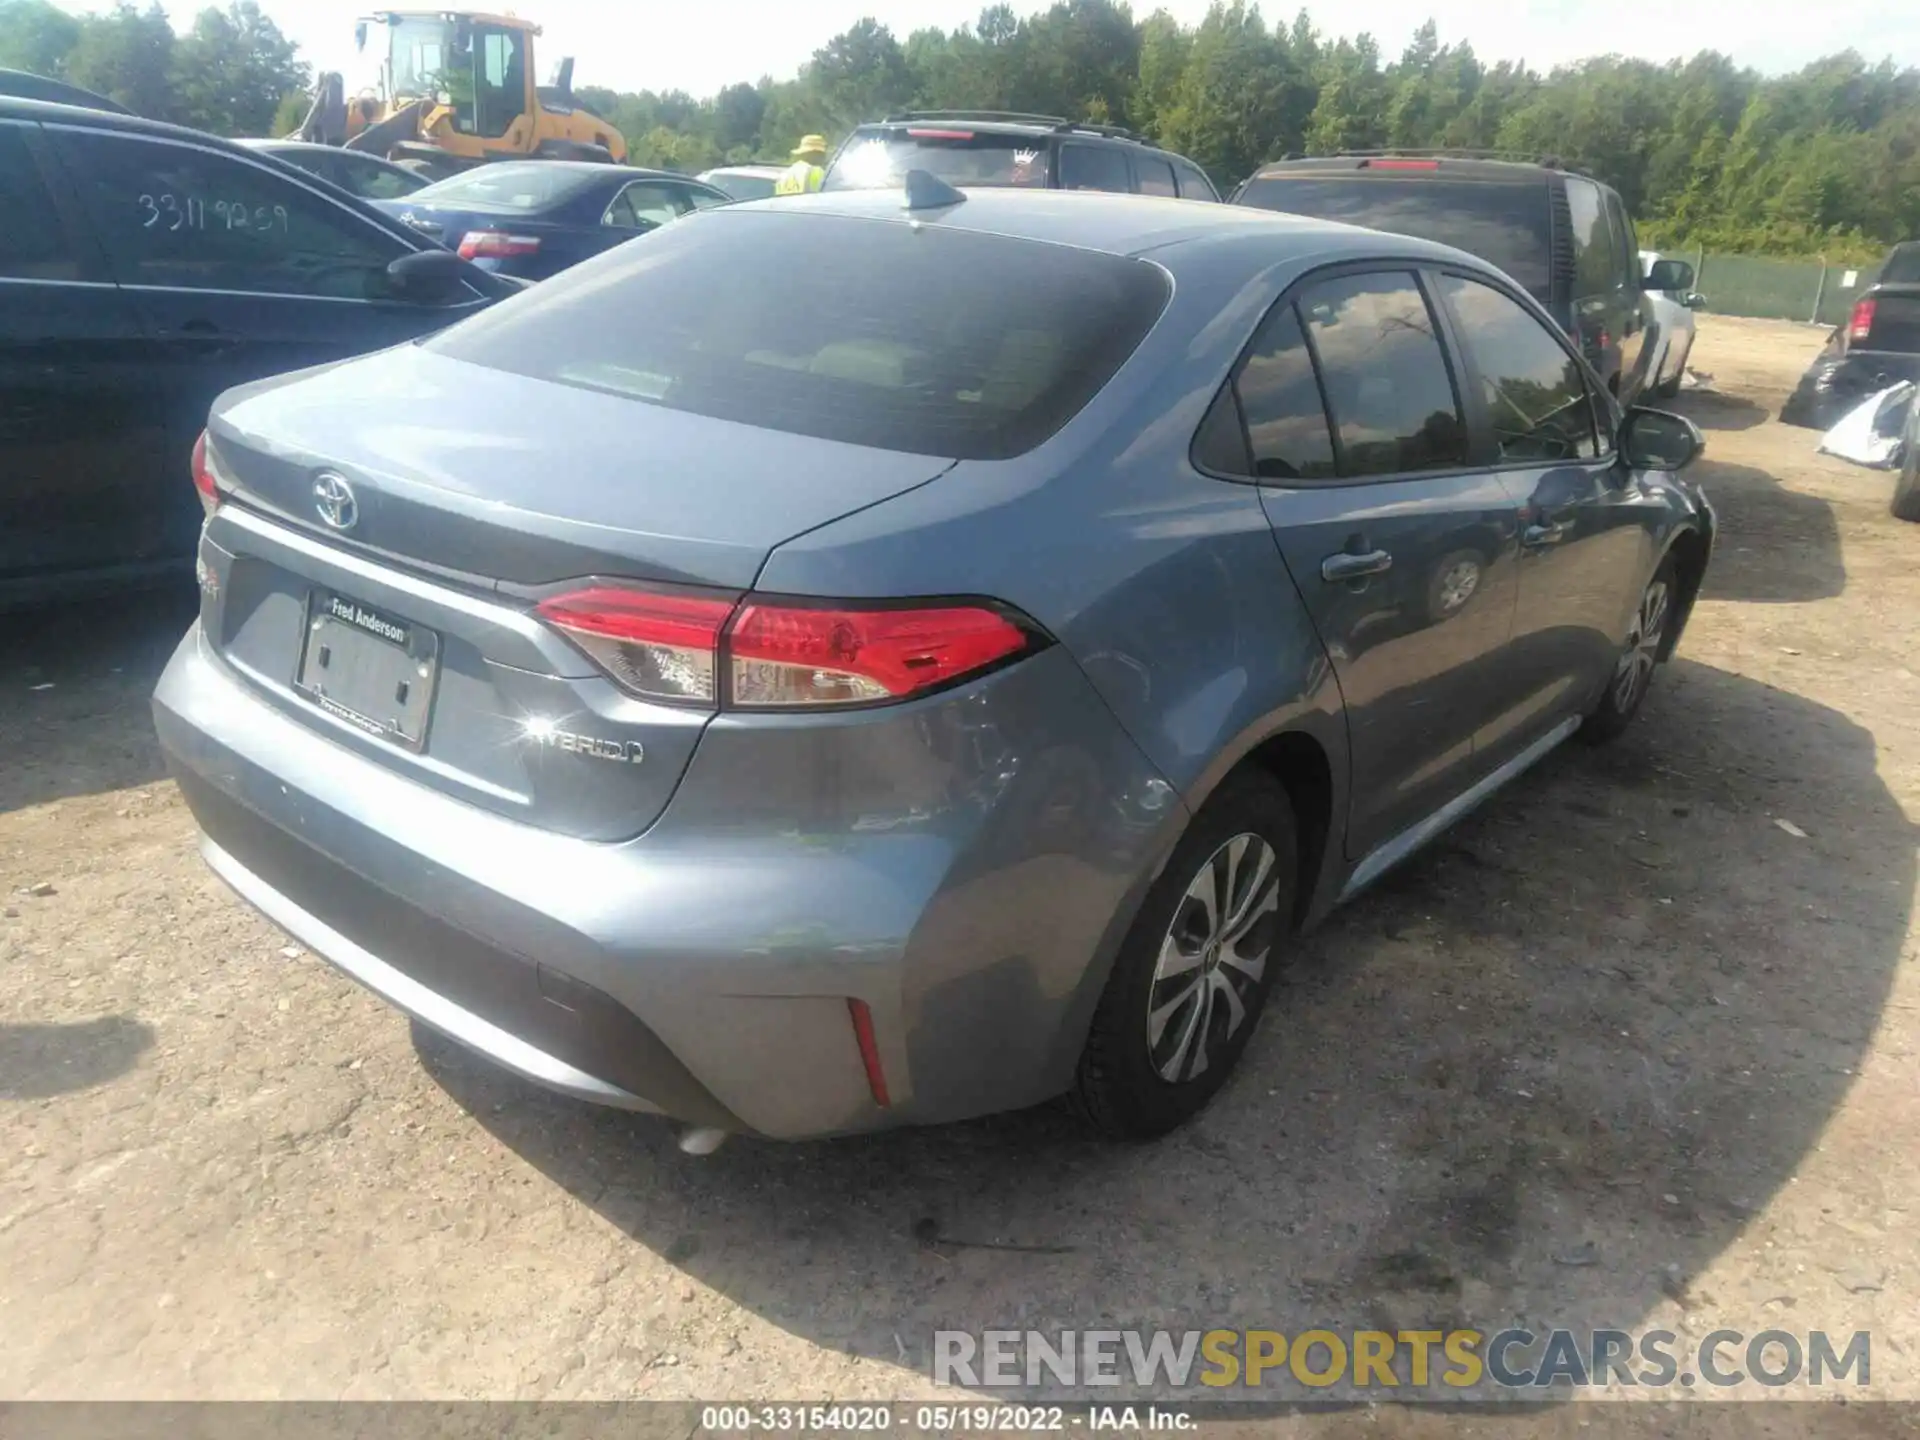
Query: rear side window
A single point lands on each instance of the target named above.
(1385, 375)
(643, 206)
(33, 245)
(1156, 175)
(879, 158)
(373, 181)
(1535, 394)
(1503, 222)
(1094, 167)
(1594, 258)
(932, 341)
(1194, 184)
(1286, 421)
(181, 217)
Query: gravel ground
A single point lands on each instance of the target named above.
(1632, 1046)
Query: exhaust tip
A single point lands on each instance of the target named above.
(702, 1139)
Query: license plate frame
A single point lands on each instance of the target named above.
(368, 669)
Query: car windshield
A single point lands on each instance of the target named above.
(1502, 222)
(505, 188)
(930, 340)
(876, 160)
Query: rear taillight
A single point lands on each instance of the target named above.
(496, 245)
(783, 655)
(655, 644)
(1861, 324)
(765, 654)
(203, 480)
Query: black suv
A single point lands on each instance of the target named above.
(992, 147)
(143, 270)
(1563, 236)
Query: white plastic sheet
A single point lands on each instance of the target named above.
(1870, 434)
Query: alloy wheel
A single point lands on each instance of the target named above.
(1212, 957)
(1635, 671)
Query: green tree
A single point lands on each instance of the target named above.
(233, 69)
(36, 36)
(127, 55)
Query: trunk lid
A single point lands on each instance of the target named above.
(408, 635)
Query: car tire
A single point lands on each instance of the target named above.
(1632, 674)
(1162, 1043)
(1455, 583)
(1906, 487)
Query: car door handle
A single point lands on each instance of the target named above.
(1536, 536)
(1349, 566)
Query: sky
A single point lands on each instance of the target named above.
(699, 47)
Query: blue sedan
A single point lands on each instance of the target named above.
(532, 219)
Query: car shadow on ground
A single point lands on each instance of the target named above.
(1711, 410)
(74, 684)
(38, 1062)
(1774, 544)
(1544, 1075)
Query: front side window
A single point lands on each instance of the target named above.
(176, 216)
(1094, 167)
(936, 341)
(33, 244)
(1535, 394)
(1385, 375)
(1156, 176)
(1194, 184)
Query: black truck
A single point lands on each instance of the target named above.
(1878, 346)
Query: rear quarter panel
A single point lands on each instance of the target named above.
(1164, 584)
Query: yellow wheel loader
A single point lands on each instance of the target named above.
(455, 90)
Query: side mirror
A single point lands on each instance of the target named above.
(1696, 301)
(1669, 275)
(427, 277)
(1659, 440)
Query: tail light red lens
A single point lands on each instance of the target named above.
(777, 655)
(655, 644)
(496, 245)
(203, 480)
(780, 655)
(1861, 324)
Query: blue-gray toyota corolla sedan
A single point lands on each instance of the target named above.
(854, 660)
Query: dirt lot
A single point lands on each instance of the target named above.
(1624, 1049)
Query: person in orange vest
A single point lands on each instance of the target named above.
(808, 169)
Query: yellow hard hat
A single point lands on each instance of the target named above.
(810, 145)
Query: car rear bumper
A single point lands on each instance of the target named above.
(703, 970)
(1833, 385)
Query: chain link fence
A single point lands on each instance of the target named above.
(1805, 290)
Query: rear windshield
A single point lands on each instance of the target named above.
(506, 188)
(1902, 265)
(932, 341)
(1503, 222)
(742, 187)
(877, 159)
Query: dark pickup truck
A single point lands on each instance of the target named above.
(1878, 346)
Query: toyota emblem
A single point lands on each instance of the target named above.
(333, 498)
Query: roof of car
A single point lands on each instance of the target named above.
(1413, 166)
(17, 108)
(768, 170)
(1130, 225)
(27, 85)
(1011, 123)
